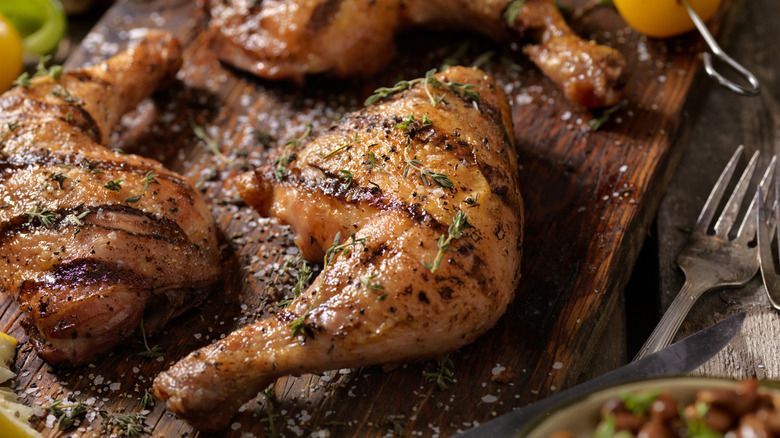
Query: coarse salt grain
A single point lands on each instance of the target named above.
(489, 398)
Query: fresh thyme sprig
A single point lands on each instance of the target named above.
(64, 94)
(114, 185)
(302, 279)
(443, 374)
(455, 231)
(211, 145)
(288, 154)
(23, 80)
(347, 176)
(148, 179)
(153, 352)
(472, 200)
(299, 326)
(513, 11)
(429, 81)
(55, 71)
(76, 219)
(66, 419)
(335, 151)
(44, 215)
(596, 122)
(439, 178)
(147, 399)
(366, 282)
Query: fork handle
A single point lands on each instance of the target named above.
(669, 324)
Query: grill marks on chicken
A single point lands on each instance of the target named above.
(279, 39)
(93, 241)
(379, 299)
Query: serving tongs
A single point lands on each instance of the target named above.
(709, 67)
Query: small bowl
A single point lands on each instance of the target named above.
(581, 417)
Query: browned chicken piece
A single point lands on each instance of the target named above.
(288, 39)
(95, 241)
(412, 206)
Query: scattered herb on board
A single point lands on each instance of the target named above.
(147, 399)
(130, 425)
(288, 154)
(443, 374)
(397, 424)
(44, 215)
(67, 414)
(455, 231)
(211, 145)
(605, 114)
(429, 81)
(153, 352)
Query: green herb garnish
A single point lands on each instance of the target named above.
(44, 215)
(455, 231)
(443, 374)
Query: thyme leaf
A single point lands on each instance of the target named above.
(429, 82)
(513, 11)
(130, 425)
(288, 154)
(347, 176)
(443, 375)
(44, 215)
(366, 282)
(211, 145)
(455, 231)
(114, 185)
(66, 414)
(153, 352)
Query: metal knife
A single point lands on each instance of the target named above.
(680, 357)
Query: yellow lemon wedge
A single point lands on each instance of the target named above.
(14, 417)
(14, 421)
(10, 52)
(7, 348)
(663, 18)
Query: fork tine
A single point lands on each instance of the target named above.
(729, 215)
(708, 211)
(767, 226)
(747, 229)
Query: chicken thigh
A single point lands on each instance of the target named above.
(413, 208)
(94, 242)
(288, 39)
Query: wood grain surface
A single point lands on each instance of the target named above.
(725, 121)
(590, 197)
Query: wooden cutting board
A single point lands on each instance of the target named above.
(589, 196)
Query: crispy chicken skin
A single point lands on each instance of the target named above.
(83, 254)
(288, 39)
(379, 302)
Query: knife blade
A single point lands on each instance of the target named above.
(681, 357)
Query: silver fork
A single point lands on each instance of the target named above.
(767, 225)
(712, 261)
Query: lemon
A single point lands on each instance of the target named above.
(663, 18)
(7, 348)
(10, 52)
(14, 421)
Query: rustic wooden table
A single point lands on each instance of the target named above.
(722, 120)
(580, 311)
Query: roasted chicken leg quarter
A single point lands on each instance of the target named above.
(413, 208)
(288, 39)
(94, 241)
